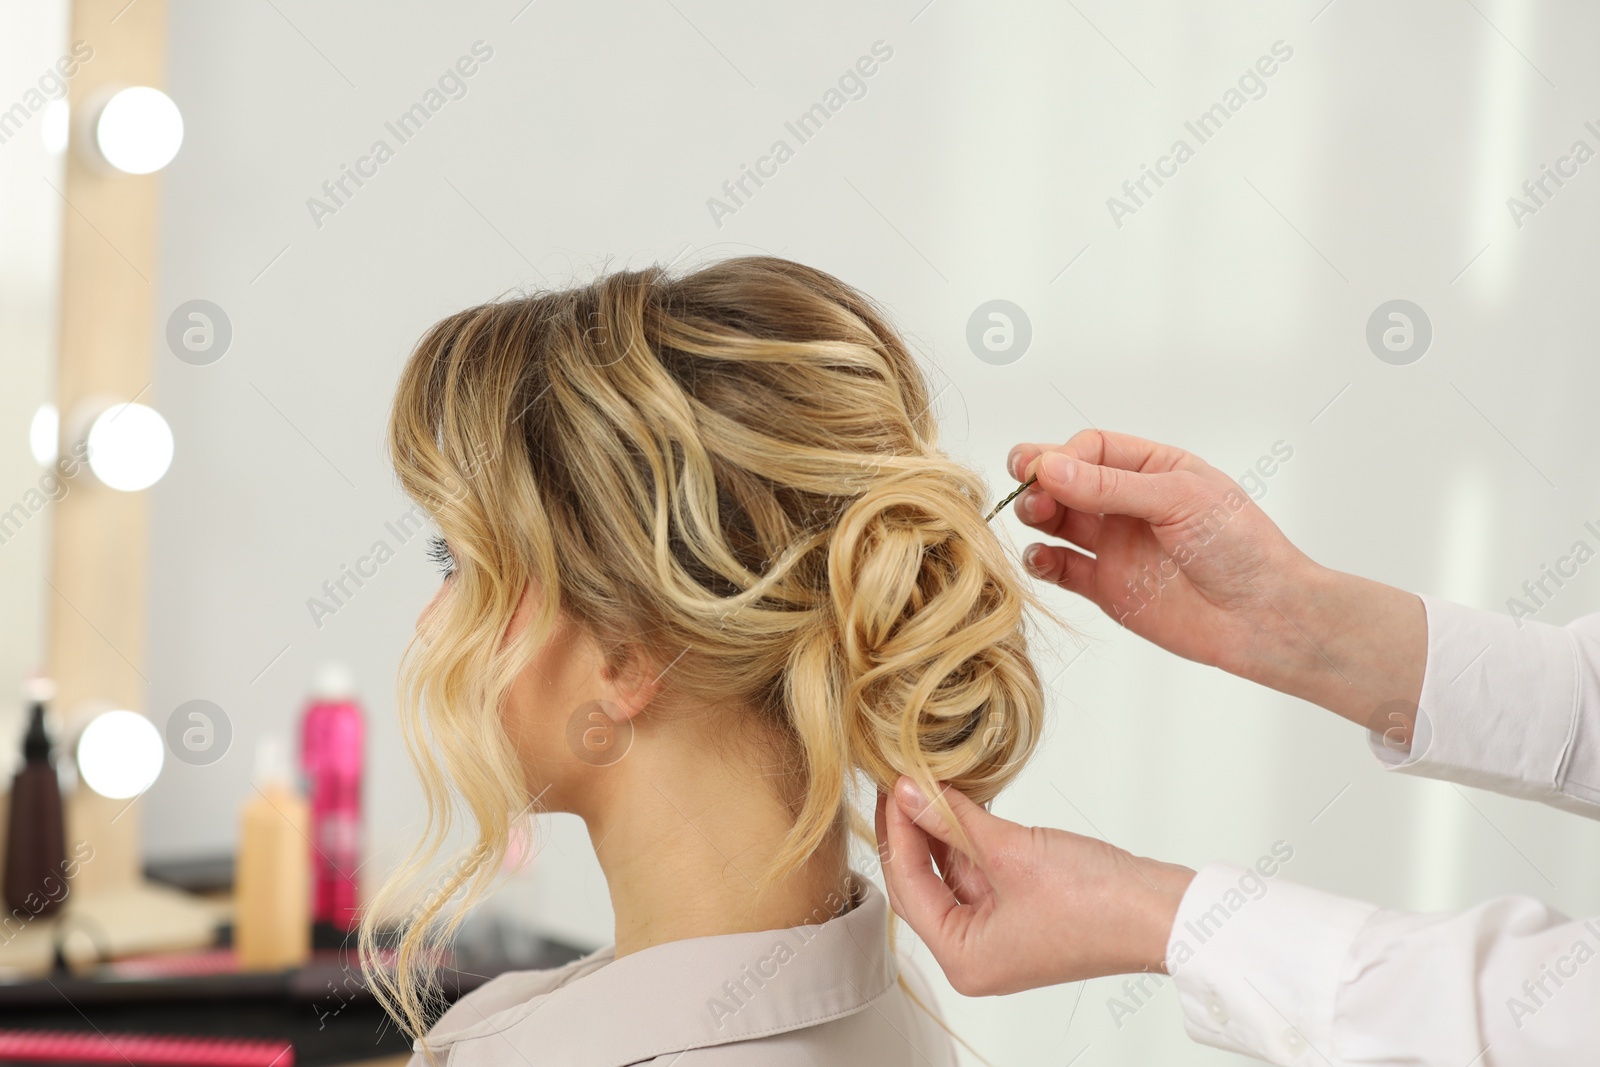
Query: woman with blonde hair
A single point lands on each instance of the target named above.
(708, 578)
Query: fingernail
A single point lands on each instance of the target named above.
(1030, 560)
(1056, 467)
(911, 800)
(1014, 464)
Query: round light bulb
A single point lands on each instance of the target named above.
(43, 434)
(120, 754)
(130, 447)
(139, 130)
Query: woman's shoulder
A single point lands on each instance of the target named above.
(504, 999)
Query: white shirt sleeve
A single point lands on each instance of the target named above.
(1509, 705)
(1293, 975)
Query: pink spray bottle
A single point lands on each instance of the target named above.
(331, 744)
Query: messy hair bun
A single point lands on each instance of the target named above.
(918, 665)
(735, 471)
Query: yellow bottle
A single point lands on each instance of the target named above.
(272, 876)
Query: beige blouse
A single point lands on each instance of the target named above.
(808, 995)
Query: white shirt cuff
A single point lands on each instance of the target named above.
(1258, 961)
(1503, 708)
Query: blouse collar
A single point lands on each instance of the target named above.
(679, 995)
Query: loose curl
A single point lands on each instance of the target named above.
(735, 472)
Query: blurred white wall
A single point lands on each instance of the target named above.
(1228, 313)
(33, 36)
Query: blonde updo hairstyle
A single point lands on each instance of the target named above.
(734, 471)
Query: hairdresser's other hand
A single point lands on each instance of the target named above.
(1186, 559)
(1026, 906)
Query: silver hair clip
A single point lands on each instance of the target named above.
(1014, 494)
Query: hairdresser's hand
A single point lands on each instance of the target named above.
(1026, 906)
(1186, 559)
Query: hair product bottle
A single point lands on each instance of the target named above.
(272, 881)
(331, 739)
(36, 846)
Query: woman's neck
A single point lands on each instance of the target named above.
(684, 836)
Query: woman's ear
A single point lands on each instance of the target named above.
(632, 685)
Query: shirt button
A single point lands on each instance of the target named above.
(1218, 1012)
(1293, 1041)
